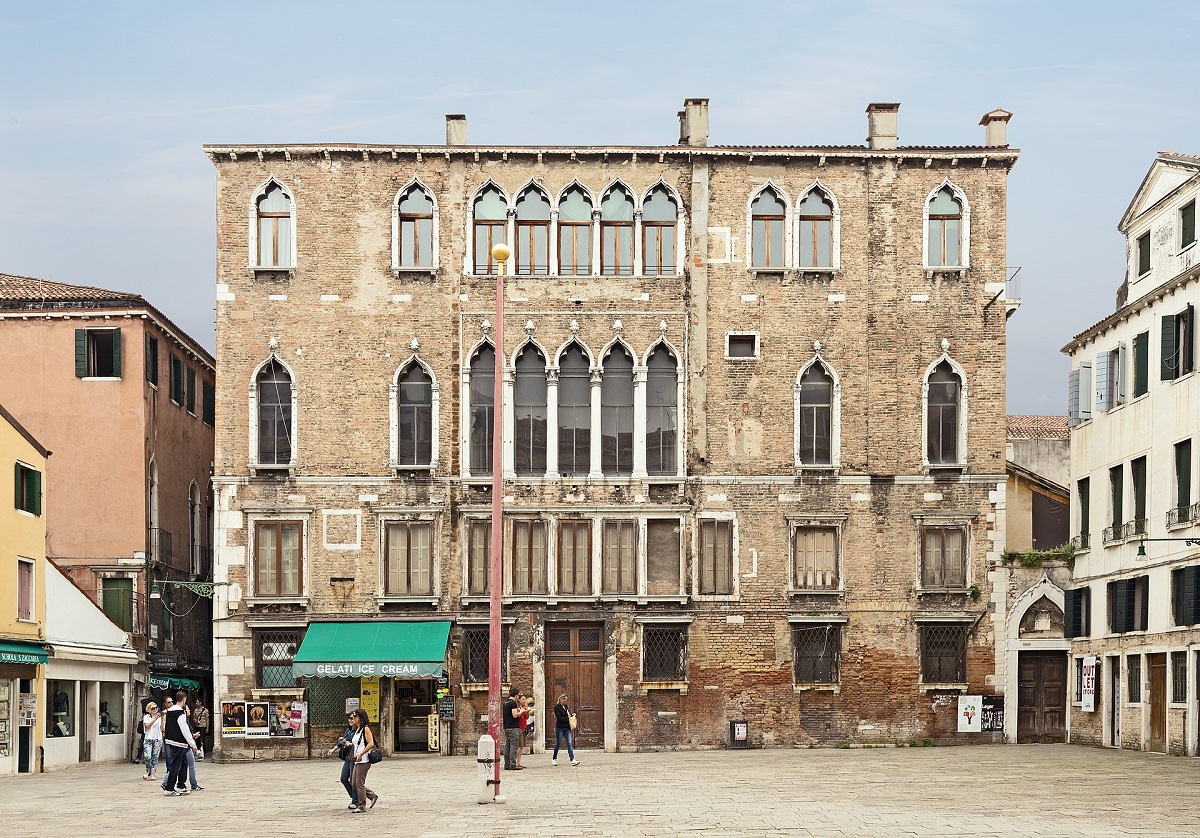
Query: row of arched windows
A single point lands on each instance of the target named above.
(577, 417)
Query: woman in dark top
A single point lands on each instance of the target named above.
(562, 730)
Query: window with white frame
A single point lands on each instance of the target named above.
(943, 415)
(616, 231)
(278, 559)
(275, 227)
(1178, 344)
(97, 353)
(943, 557)
(815, 558)
(767, 215)
(531, 254)
(944, 230)
(1143, 254)
(479, 557)
(619, 557)
(815, 212)
(414, 416)
(664, 652)
(814, 403)
(616, 413)
(25, 598)
(527, 554)
(274, 651)
(662, 412)
(483, 409)
(1187, 225)
(715, 569)
(574, 576)
(574, 412)
(414, 228)
(491, 222)
(659, 217)
(408, 546)
(816, 650)
(275, 420)
(575, 232)
(529, 412)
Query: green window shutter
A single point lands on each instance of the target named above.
(35, 492)
(81, 364)
(210, 407)
(1141, 364)
(1167, 369)
(1188, 352)
(17, 487)
(1072, 609)
(116, 353)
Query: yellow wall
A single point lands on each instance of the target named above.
(21, 534)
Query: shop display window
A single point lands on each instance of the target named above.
(112, 707)
(60, 721)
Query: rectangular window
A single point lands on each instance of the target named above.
(409, 550)
(1116, 498)
(1185, 593)
(663, 546)
(1178, 677)
(716, 557)
(273, 654)
(574, 248)
(532, 248)
(97, 353)
(487, 235)
(152, 359)
(209, 396)
(1078, 608)
(815, 558)
(1133, 673)
(658, 248)
(528, 557)
(664, 653)
(475, 650)
(944, 653)
(278, 559)
(1079, 679)
(616, 248)
(1137, 474)
(767, 246)
(619, 548)
(574, 557)
(176, 382)
(112, 708)
(28, 489)
(116, 598)
(25, 590)
(1187, 225)
(1183, 480)
(1128, 604)
(943, 557)
(1141, 364)
(60, 721)
(741, 345)
(479, 557)
(1084, 493)
(190, 397)
(816, 653)
(1143, 253)
(1178, 344)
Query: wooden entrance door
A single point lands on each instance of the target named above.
(1158, 703)
(575, 666)
(1042, 697)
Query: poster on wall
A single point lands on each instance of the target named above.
(27, 709)
(258, 718)
(281, 717)
(1089, 684)
(992, 712)
(368, 691)
(299, 714)
(970, 719)
(233, 718)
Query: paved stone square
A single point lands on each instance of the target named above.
(1026, 790)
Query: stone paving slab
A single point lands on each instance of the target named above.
(1001, 791)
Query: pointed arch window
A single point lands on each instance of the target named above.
(766, 230)
(816, 416)
(275, 227)
(532, 255)
(662, 412)
(945, 229)
(616, 413)
(616, 232)
(816, 230)
(483, 408)
(529, 403)
(414, 426)
(274, 386)
(659, 217)
(575, 233)
(491, 216)
(414, 220)
(943, 416)
(574, 412)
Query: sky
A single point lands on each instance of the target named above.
(104, 108)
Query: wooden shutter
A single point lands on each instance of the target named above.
(1073, 398)
(1073, 612)
(1191, 576)
(1142, 583)
(1141, 364)
(1102, 383)
(116, 333)
(210, 408)
(35, 491)
(1168, 362)
(1117, 595)
(81, 364)
(17, 486)
(1189, 351)
(1085, 391)
(1119, 388)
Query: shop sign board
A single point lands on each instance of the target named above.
(368, 692)
(445, 708)
(1089, 684)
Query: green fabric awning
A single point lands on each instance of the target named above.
(373, 649)
(173, 682)
(22, 653)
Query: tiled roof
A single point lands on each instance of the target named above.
(28, 289)
(1037, 427)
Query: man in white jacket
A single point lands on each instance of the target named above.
(177, 736)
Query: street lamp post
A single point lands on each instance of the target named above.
(500, 253)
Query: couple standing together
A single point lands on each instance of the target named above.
(513, 714)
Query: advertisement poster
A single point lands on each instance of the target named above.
(299, 711)
(1089, 684)
(233, 718)
(258, 718)
(281, 718)
(368, 690)
(970, 718)
(351, 704)
(992, 713)
(27, 709)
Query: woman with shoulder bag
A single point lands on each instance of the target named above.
(363, 742)
(563, 729)
(345, 752)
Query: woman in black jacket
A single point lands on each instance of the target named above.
(562, 729)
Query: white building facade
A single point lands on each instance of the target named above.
(1134, 406)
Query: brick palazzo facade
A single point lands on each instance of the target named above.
(754, 430)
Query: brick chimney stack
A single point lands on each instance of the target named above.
(881, 124)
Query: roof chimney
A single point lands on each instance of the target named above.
(456, 129)
(881, 124)
(693, 122)
(995, 125)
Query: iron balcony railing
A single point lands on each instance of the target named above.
(1183, 514)
(161, 550)
(1082, 541)
(1134, 528)
(1113, 533)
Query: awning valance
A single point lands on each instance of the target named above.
(373, 649)
(173, 682)
(21, 653)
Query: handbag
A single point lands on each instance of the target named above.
(374, 756)
(571, 720)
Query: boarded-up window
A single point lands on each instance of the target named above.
(619, 547)
(943, 557)
(662, 557)
(814, 551)
(716, 557)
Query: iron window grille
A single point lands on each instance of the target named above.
(944, 653)
(274, 651)
(1178, 677)
(1133, 673)
(817, 654)
(664, 653)
(475, 641)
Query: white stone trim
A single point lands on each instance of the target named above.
(963, 415)
(716, 515)
(680, 222)
(394, 417)
(253, 418)
(469, 250)
(835, 229)
(788, 224)
(835, 416)
(253, 239)
(964, 229)
(418, 183)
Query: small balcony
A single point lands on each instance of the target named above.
(161, 550)
(1082, 541)
(1181, 515)
(1134, 528)
(1113, 534)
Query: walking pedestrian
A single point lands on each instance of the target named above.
(345, 752)
(201, 720)
(177, 735)
(562, 729)
(167, 754)
(362, 741)
(523, 703)
(152, 743)
(512, 715)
